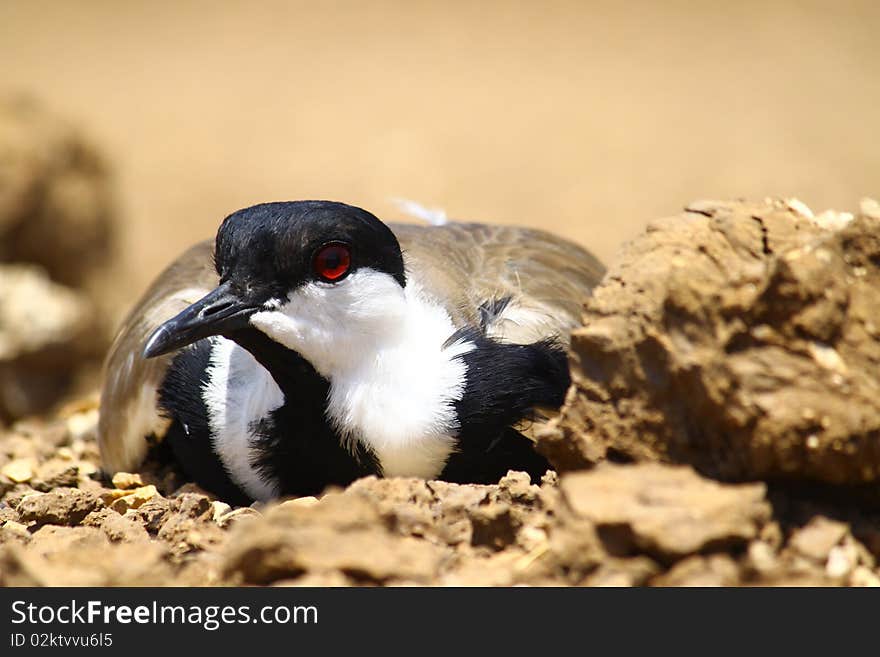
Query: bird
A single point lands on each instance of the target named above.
(313, 344)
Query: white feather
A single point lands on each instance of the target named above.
(432, 216)
(392, 384)
(238, 393)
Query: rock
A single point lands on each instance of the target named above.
(119, 529)
(816, 540)
(19, 470)
(237, 515)
(308, 500)
(134, 498)
(7, 513)
(55, 198)
(219, 509)
(56, 474)
(110, 495)
(46, 332)
(668, 512)
(763, 560)
(193, 505)
(436, 510)
(56, 230)
(741, 338)
(333, 578)
(66, 556)
(518, 486)
(10, 531)
(152, 514)
(126, 480)
(493, 526)
(842, 560)
(636, 571)
(62, 506)
(862, 576)
(340, 534)
(714, 570)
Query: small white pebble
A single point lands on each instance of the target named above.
(841, 560)
(219, 509)
(800, 207)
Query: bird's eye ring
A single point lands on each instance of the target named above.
(332, 261)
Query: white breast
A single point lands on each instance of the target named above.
(399, 400)
(392, 385)
(239, 393)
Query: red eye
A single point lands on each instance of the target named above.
(332, 261)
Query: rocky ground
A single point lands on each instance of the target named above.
(61, 523)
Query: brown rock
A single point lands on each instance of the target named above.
(714, 570)
(193, 505)
(862, 576)
(19, 470)
(152, 514)
(13, 532)
(119, 529)
(134, 498)
(46, 331)
(623, 572)
(7, 512)
(341, 533)
(66, 556)
(56, 474)
(817, 538)
(741, 338)
(63, 506)
(494, 526)
(186, 534)
(665, 511)
(236, 516)
(55, 198)
(126, 480)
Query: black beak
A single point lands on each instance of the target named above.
(217, 313)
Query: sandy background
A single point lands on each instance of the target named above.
(588, 118)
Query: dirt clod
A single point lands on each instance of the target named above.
(668, 512)
(62, 506)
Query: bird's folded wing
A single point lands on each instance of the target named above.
(129, 394)
(541, 280)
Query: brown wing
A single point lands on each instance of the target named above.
(128, 397)
(468, 266)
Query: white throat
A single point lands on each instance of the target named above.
(392, 384)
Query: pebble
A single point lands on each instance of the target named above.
(16, 528)
(863, 576)
(219, 509)
(842, 560)
(126, 480)
(134, 498)
(299, 502)
(19, 470)
(236, 515)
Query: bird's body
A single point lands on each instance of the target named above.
(413, 351)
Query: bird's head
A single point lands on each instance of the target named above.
(312, 275)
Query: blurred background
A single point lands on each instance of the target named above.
(588, 117)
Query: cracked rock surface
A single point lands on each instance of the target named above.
(741, 338)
